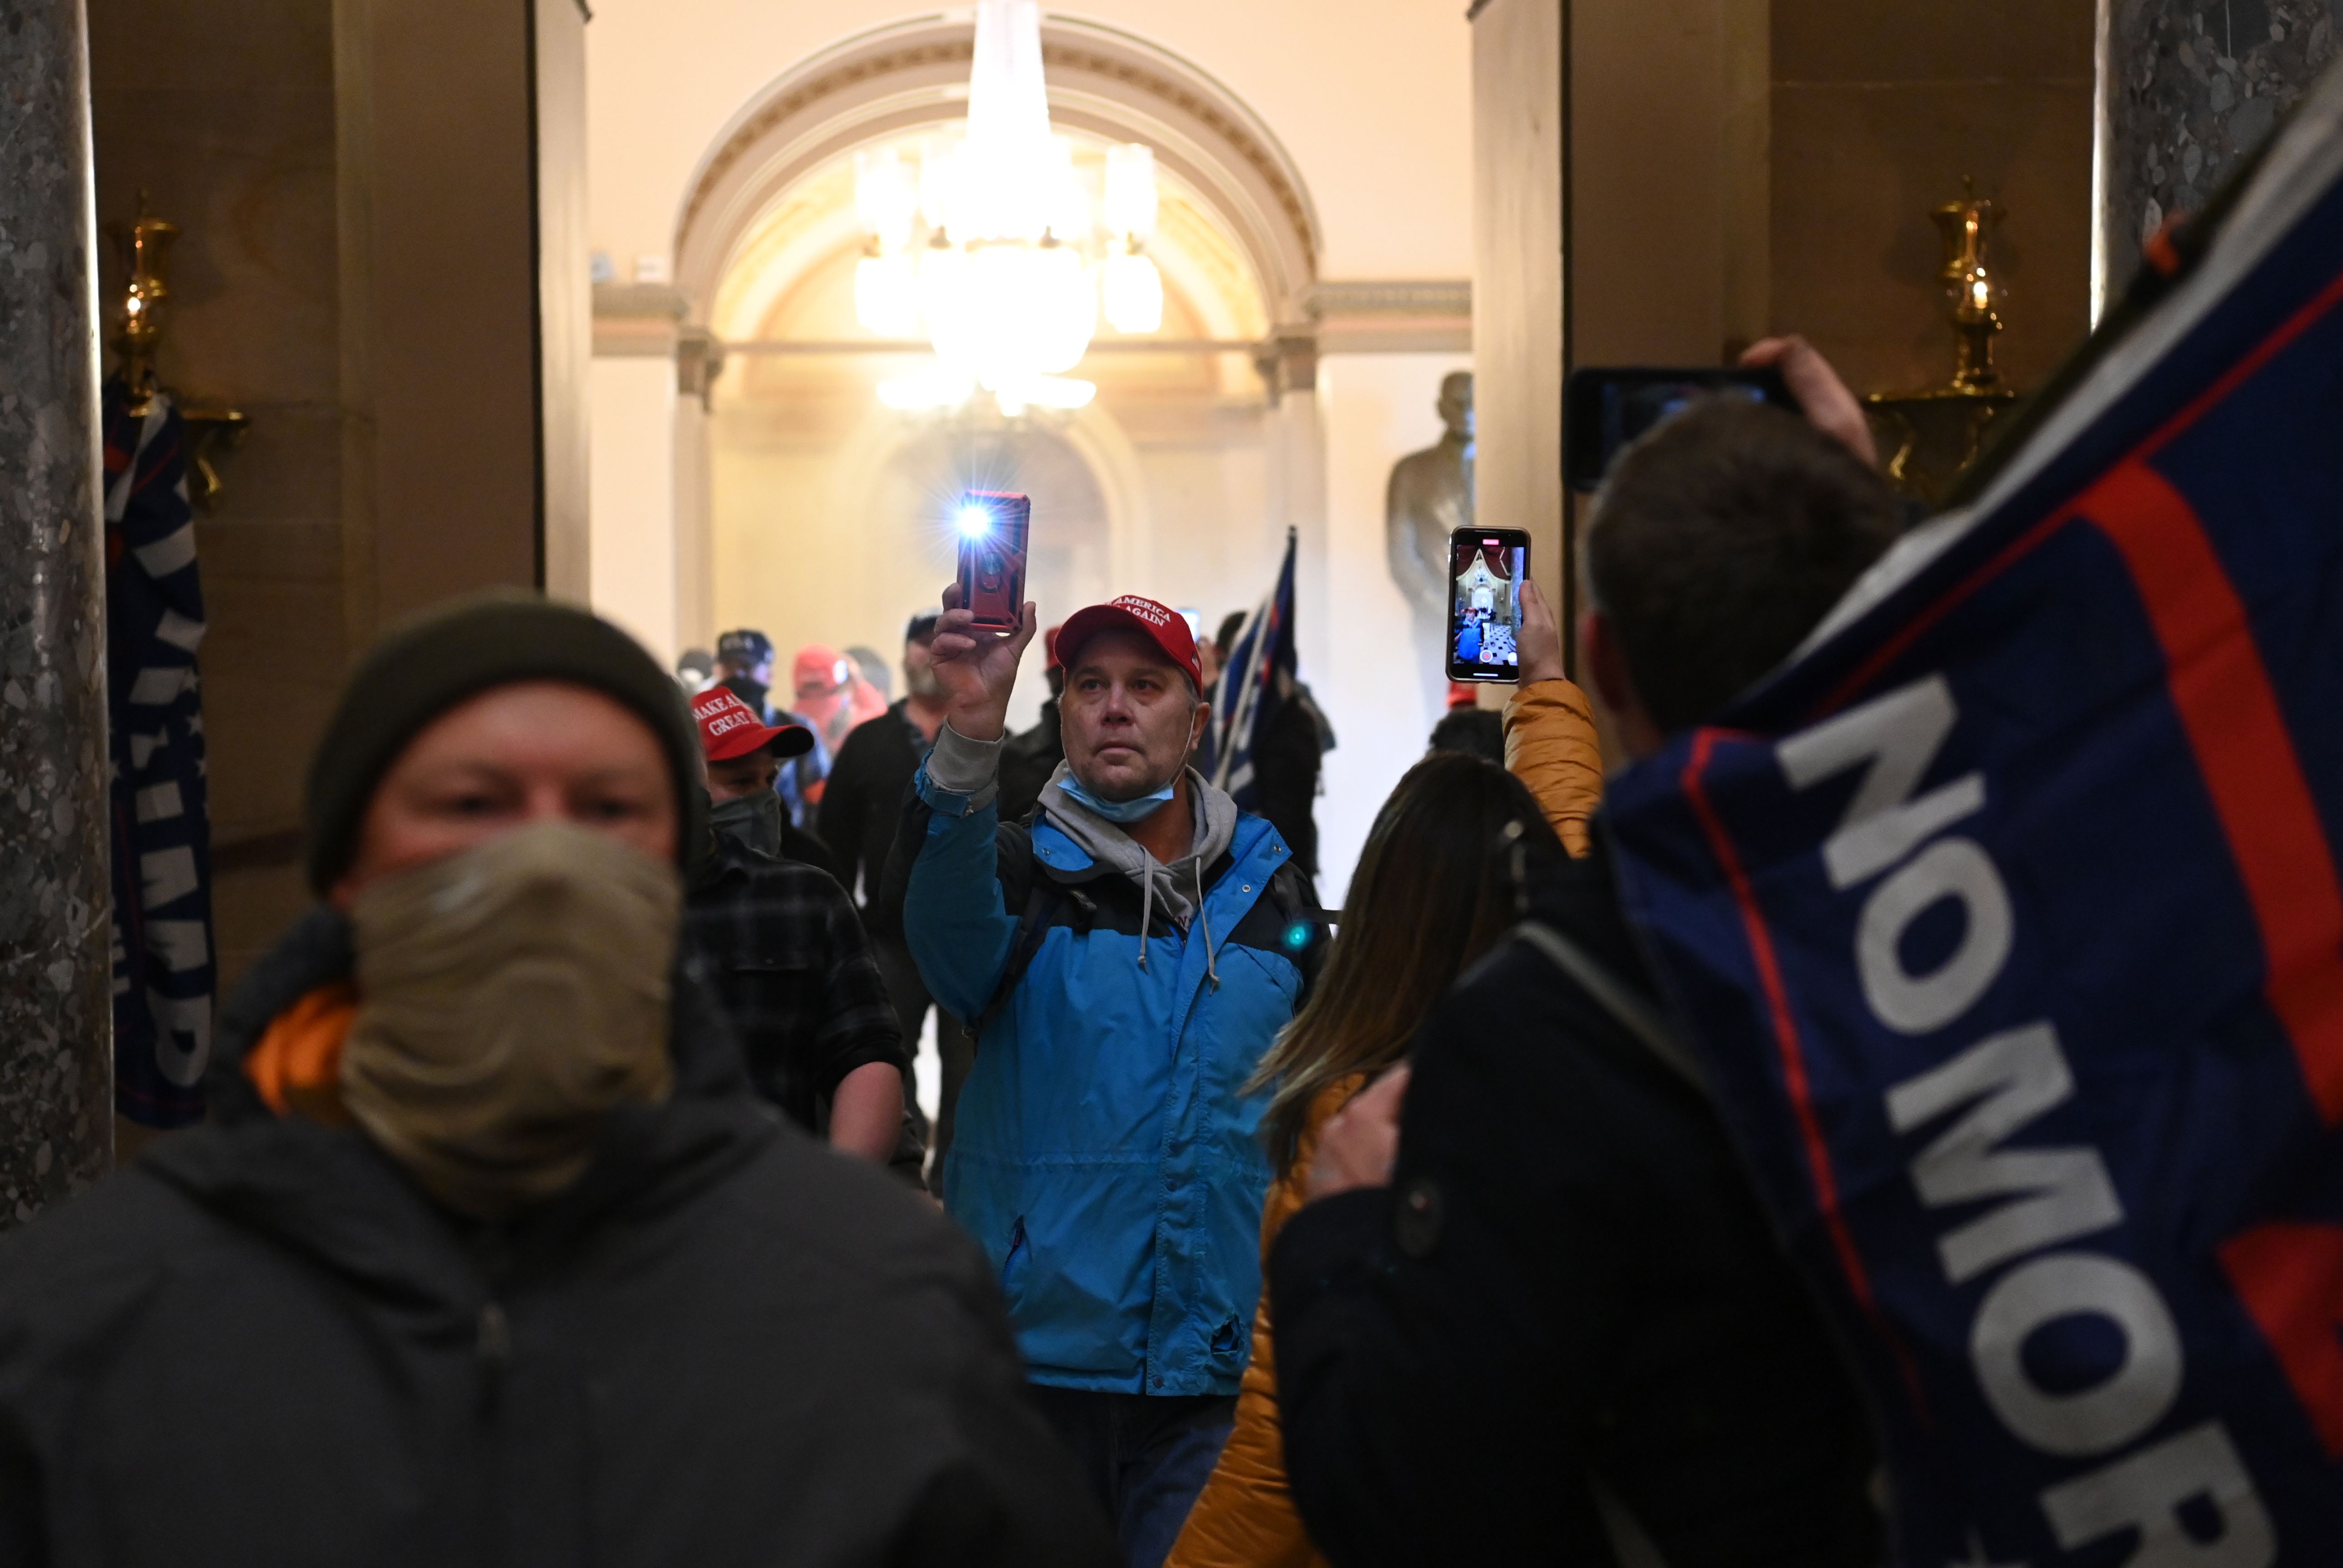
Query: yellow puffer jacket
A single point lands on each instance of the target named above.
(1550, 746)
(1244, 1517)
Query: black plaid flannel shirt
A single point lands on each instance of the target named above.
(787, 954)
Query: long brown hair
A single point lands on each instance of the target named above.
(1433, 891)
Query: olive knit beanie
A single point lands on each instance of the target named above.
(431, 663)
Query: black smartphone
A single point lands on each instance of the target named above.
(1604, 410)
(992, 528)
(1486, 570)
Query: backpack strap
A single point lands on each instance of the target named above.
(1638, 1016)
(1041, 901)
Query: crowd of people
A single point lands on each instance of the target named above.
(1248, 1234)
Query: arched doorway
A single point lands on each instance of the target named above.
(822, 510)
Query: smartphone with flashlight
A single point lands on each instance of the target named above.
(992, 528)
(1486, 570)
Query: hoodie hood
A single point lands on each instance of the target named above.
(1176, 888)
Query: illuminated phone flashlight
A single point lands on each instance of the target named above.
(975, 522)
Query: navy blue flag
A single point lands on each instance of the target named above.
(1256, 681)
(161, 837)
(2007, 921)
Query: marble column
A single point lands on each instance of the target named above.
(2187, 90)
(56, 1065)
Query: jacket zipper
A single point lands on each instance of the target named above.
(1016, 1245)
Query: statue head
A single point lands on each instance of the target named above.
(1456, 404)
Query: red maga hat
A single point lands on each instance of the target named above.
(730, 727)
(1164, 626)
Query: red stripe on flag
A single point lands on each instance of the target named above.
(2246, 757)
(2290, 1278)
(1794, 1058)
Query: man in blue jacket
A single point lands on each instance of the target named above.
(1128, 952)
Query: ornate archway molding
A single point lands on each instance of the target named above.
(915, 73)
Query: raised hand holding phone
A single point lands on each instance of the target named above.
(1540, 637)
(977, 667)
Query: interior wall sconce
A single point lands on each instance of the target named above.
(144, 246)
(1932, 434)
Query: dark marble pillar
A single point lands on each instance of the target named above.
(56, 1021)
(2187, 87)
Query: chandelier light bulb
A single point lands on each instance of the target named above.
(1133, 292)
(1131, 190)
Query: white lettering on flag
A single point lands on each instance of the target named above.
(180, 944)
(142, 746)
(1899, 734)
(1953, 868)
(175, 1016)
(2145, 1492)
(2007, 1080)
(167, 875)
(2105, 1415)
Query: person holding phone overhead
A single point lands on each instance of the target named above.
(1433, 891)
(1129, 956)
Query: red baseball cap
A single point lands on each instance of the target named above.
(1050, 659)
(730, 727)
(1164, 626)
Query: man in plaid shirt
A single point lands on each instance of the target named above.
(786, 953)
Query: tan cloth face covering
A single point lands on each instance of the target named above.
(509, 998)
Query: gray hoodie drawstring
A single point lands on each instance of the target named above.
(1204, 921)
(1204, 924)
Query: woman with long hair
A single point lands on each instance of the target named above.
(1433, 891)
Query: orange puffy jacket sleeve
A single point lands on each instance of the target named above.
(1244, 1518)
(1550, 746)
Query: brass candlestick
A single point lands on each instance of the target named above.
(145, 248)
(1934, 433)
(1966, 227)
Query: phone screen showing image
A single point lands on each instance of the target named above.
(1486, 570)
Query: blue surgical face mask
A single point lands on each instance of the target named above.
(1119, 811)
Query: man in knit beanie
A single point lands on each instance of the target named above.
(490, 1250)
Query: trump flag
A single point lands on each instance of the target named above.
(2006, 920)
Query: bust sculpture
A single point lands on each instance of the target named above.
(1431, 494)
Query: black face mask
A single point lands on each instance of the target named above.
(753, 819)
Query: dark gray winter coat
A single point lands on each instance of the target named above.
(725, 1345)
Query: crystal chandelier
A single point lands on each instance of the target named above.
(994, 249)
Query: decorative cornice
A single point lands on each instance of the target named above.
(635, 301)
(799, 99)
(1380, 296)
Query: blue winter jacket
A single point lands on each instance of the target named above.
(1102, 1151)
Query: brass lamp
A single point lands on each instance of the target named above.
(1934, 433)
(145, 248)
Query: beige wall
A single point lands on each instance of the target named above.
(1877, 113)
(1373, 98)
(632, 553)
(1377, 409)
